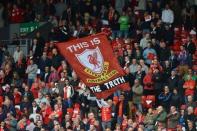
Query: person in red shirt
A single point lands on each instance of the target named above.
(76, 111)
(46, 111)
(17, 96)
(124, 123)
(148, 83)
(35, 89)
(155, 65)
(57, 113)
(106, 113)
(16, 14)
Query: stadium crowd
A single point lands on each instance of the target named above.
(154, 42)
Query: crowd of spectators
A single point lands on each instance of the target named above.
(154, 42)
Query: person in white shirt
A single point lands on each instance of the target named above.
(144, 41)
(17, 53)
(167, 15)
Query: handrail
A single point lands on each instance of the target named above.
(24, 43)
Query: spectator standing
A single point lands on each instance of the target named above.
(167, 15)
(106, 113)
(53, 77)
(173, 80)
(176, 99)
(137, 90)
(49, 9)
(119, 4)
(149, 54)
(173, 59)
(124, 25)
(165, 98)
(115, 26)
(142, 5)
(164, 52)
(168, 35)
(31, 71)
(39, 8)
(157, 80)
(139, 74)
(144, 66)
(148, 83)
(44, 62)
(144, 41)
(133, 67)
(1, 15)
(17, 54)
(17, 14)
(183, 60)
(60, 6)
(121, 109)
(190, 48)
(56, 58)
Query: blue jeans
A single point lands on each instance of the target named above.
(30, 82)
(123, 33)
(106, 125)
(190, 60)
(139, 107)
(119, 120)
(115, 34)
(117, 93)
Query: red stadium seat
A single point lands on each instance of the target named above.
(1, 101)
(148, 101)
(195, 111)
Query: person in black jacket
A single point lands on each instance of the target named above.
(166, 71)
(164, 52)
(175, 99)
(190, 48)
(165, 98)
(44, 61)
(56, 59)
(173, 80)
(173, 60)
(35, 108)
(115, 25)
(168, 35)
(120, 112)
(157, 80)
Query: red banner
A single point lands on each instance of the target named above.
(93, 60)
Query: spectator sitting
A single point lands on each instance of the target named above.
(172, 118)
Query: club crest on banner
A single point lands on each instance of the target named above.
(91, 59)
